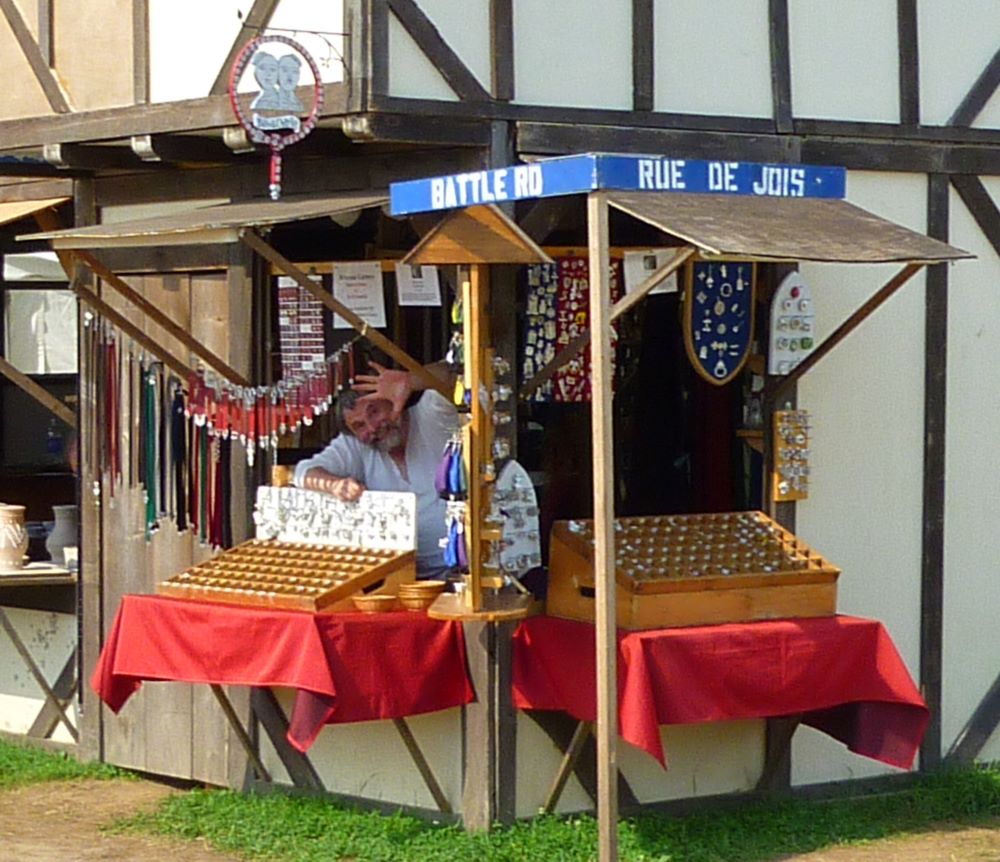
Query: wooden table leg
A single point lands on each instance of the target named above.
(422, 765)
(50, 695)
(268, 712)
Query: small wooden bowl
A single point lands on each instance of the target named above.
(417, 603)
(422, 588)
(375, 604)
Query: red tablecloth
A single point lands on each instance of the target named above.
(346, 667)
(841, 673)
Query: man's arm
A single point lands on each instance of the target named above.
(342, 487)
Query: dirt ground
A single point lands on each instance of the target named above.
(62, 821)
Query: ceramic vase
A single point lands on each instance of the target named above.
(63, 533)
(13, 537)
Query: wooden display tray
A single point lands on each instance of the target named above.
(272, 574)
(683, 570)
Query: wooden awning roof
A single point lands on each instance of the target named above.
(476, 235)
(220, 223)
(788, 229)
(14, 210)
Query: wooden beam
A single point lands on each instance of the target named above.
(502, 50)
(45, 31)
(775, 387)
(932, 560)
(643, 55)
(781, 65)
(256, 20)
(46, 77)
(979, 728)
(979, 94)
(567, 765)
(423, 767)
(160, 319)
(909, 62)
(186, 115)
(182, 148)
(140, 52)
(265, 707)
(408, 128)
(604, 527)
(183, 370)
(974, 195)
(547, 215)
(41, 395)
(48, 220)
(241, 734)
(89, 158)
(277, 260)
(582, 339)
(778, 753)
(442, 56)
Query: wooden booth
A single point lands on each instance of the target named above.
(709, 616)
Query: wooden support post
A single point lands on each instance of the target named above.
(240, 731)
(604, 527)
(423, 767)
(567, 765)
(475, 283)
(478, 717)
(373, 335)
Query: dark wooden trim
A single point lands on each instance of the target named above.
(558, 139)
(140, 51)
(46, 78)
(183, 148)
(45, 30)
(781, 65)
(643, 56)
(412, 128)
(87, 157)
(902, 156)
(978, 729)
(560, 727)
(935, 427)
(979, 94)
(378, 49)
(909, 66)
(264, 705)
(545, 216)
(256, 20)
(502, 49)
(430, 41)
(981, 206)
(64, 688)
(812, 127)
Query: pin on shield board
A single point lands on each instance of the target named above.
(719, 317)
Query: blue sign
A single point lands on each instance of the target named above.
(719, 318)
(585, 173)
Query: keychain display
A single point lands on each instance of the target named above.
(558, 310)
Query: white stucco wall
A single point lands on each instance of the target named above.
(972, 496)
(189, 40)
(712, 58)
(866, 403)
(50, 638)
(957, 41)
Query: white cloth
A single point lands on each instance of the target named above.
(431, 422)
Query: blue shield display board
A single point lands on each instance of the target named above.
(718, 317)
(568, 175)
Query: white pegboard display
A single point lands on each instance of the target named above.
(793, 329)
(380, 520)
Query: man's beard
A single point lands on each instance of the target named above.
(392, 438)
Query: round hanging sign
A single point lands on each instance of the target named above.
(274, 115)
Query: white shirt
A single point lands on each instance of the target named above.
(430, 424)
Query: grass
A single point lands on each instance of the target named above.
(281, 828)
(20, 765)
(295, 829)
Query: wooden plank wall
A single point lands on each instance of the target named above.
(168, 729)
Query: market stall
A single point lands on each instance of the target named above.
(712, 214)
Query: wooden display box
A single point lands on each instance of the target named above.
(272, 574)
(685, 570)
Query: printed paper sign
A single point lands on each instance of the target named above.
(358, 285)
(640, 265)
(417, 285)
